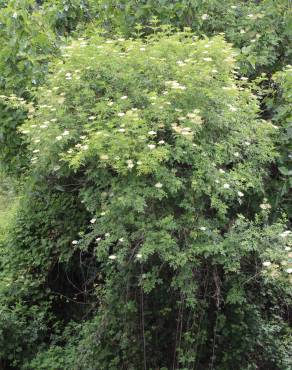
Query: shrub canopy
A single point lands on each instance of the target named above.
(159, 149)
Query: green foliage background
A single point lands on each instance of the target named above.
(145, 184)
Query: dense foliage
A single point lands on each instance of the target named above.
(261, 30)
(280, 103)
(145, 177)
(27, 44)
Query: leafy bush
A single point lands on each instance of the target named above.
(8, 204)
(279, 103)
(34, 276)
(13, 113)
(27, 46)
(65, 16)
(163, 146)
(260, 29)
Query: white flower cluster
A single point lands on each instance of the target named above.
(186, 131)
(130, 163)
(175, 85)
(265, 205)
(286, 233)
(267, 263)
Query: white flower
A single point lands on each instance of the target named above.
(289, 271)
(221, 171)
(158, 185)
(142, 49)
(203, 228)
(236, 154)
(232, 109)
(98, 240)
(59, 138)
(112, 257)
(267, 263)
(240, 194)
(35, 151)
(139, 255)
(226, 186)
(287, 249)
(107, 235)
(14, 15)
(74, 242)
(124, 97)
(265, 206)
(161, 142)
(121, 114)
(205, 17)
(130, 163)
(121, 240)
(151, 146)
(110, 103)
(102, 213)
(53, 120)
(152, 132)
(93, 220)
(284, 234)
(91, 118)
(247, 143)
(207, 59)
(175, 85)
(104, 157)
(65, 133)
(121, 130)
